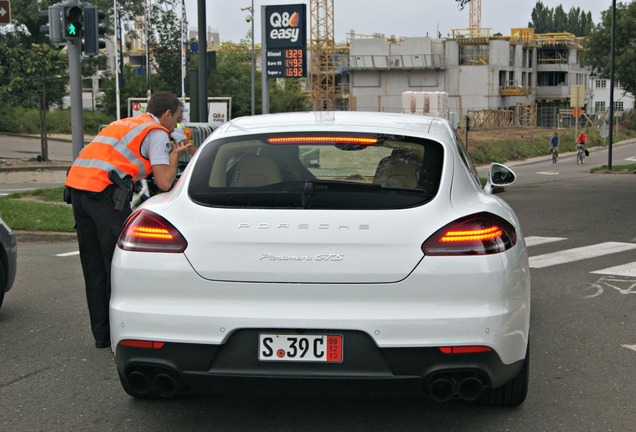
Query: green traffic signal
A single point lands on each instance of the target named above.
(73, 21)
(71, 30)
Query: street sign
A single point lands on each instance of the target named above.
(577, 112)
(5, 12)
(577, 96)
(604, 132)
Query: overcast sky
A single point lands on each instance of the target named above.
(391, 17)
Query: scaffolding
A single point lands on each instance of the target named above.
(474, 17)
(322, 80)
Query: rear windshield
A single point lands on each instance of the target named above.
(311, 171)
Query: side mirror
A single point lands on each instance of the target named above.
(499, 176)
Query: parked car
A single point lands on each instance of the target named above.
(326, 249)
(8, 259)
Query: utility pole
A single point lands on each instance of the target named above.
(611, 101)
(203, 63)
(74, 45)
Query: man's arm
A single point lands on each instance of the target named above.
(164, 175)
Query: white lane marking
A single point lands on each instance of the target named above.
(548, 172)
(536, 240)
(581, 253)
(68, 254)
(631, 347)
(632, 159)
(627, 270)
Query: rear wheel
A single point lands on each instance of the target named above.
(580, 156)
(554, 156)
(3, 283)
(512, 393)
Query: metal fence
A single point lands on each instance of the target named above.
(200, 131)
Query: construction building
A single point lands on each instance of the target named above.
(523, 79)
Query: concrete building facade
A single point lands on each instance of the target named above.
(519, 80)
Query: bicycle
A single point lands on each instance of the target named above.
(580, 154)
(141, 192)
(146, 188)
(555, 154)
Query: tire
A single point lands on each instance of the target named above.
(3, 283)
(511, 394)
(554, 156)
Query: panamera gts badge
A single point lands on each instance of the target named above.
(318, 257)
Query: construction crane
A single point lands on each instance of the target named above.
(322, 81)
(474, 18)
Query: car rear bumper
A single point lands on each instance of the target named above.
(234, 366)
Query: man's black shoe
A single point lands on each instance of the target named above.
(102, 344)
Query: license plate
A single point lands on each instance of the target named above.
(300, 348)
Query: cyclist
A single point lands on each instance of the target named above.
(581, 139)
(554, 146)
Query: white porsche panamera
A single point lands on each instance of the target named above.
(326, 249)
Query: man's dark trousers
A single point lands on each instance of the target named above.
(98, 226)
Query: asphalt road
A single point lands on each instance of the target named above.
(583, 337)
(59, 147)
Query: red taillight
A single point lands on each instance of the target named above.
(464, 349)
(146, 231)
(142, 343)
(328, 139)
(478, 234)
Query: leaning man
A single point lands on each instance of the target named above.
(99, 186)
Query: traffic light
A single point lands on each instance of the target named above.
(51, 20)
(92, 30)
(72, 18)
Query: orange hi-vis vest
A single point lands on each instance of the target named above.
(116, 148)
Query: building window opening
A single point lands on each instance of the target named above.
(551, 79)
(476, 55)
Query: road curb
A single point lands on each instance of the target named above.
(35, 168)
(44, 236)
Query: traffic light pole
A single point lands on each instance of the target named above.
(75, 75)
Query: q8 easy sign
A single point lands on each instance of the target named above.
(286, 41)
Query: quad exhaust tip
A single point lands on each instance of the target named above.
(149, 381)
(446, 386)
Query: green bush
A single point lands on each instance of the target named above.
(27, 121)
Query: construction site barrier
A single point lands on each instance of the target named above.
(200, 131)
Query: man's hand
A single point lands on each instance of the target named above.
(184, 146)
(165, 174)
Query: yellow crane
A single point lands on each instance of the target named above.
(322, 80)
(474, 17)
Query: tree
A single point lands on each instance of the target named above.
(135, 88)
(286, 96)
(548, 20)
(462, 3)
(166, 45)
(597, 55)
(41, 68)
(232, 77)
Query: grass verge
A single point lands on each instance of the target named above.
(37, 210)
(616, 169)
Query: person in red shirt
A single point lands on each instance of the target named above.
(581, 140)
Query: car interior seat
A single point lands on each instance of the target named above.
(254, 171)
(399, 170)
